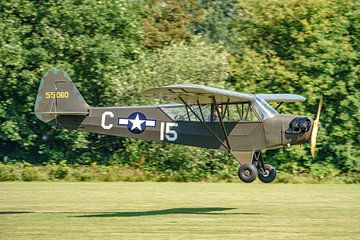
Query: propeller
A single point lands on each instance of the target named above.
(315, 129)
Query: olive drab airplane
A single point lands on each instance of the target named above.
(242, 124)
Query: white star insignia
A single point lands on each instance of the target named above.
(136, 123)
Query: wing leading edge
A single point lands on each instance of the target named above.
(193, 94)
(281, 97)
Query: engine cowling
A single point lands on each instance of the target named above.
(299, 125)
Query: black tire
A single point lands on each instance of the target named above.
(247, 173)
(269, 175)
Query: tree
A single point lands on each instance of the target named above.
(167, 21)
(309, 48)
(90, 40)
(217, 21)
(198, 62)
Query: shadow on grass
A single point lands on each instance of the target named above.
(14, 212)
(209, 211)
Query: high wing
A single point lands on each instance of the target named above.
(281, 97)
(193, 94)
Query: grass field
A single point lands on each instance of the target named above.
(46, 210)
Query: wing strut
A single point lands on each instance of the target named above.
(205, 125)
(202, 115)
(226, 109)
(221, 123)
(278, 105)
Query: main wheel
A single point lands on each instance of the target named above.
(247, 173)
(268, 175)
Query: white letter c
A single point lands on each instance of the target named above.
(103, 116)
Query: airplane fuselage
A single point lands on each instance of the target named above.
(152, 123)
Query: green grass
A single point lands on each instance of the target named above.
(148, 210)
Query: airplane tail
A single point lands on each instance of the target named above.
(58, 95)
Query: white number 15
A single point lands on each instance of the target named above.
(170, 134)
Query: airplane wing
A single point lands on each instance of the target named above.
(281, 97)
(192, 94)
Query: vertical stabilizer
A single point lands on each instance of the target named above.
(57, 95)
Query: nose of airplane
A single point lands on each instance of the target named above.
(296, 130)
(300, 130)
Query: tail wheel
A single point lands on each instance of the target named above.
(268, 174)
(247, 173)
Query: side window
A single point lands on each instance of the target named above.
(249, 115)
(176, 112)
(240, 112)
(233, 112)
(182, 113)
(198, 110)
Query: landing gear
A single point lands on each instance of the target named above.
(247, 173)
(268, 174)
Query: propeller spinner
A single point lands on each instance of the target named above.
(315, 129)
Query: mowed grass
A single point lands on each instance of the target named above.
(98, 210)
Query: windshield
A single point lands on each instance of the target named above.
(267, 111)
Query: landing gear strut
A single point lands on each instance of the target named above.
(248, 172)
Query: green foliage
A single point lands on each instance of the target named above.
(59, 171)
(198, 63)
(309, 48)
(168, 21)
(8, 172)
(90, 40)
(113, 50)
(178, 163)
(321, 171)
(193, 170)
(218, 19)
(30, 173)
(80, 174)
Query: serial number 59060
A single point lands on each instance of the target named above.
(56, 94)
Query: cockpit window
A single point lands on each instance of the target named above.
(232, 112)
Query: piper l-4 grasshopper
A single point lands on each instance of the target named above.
(242, 124)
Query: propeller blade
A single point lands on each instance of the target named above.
(315, 129)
